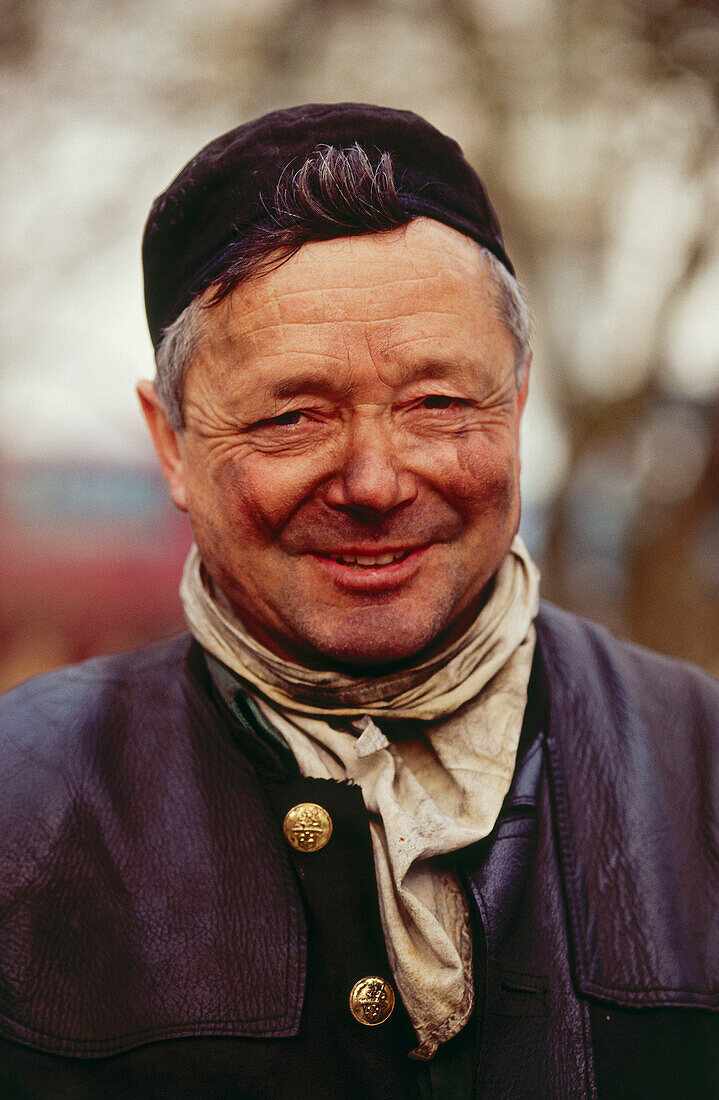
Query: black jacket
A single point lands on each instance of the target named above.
(159, 938)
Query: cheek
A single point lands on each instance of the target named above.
(260, 497)
(485, 476)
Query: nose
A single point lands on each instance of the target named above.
(371, 477)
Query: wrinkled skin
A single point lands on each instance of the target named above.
(359, 399)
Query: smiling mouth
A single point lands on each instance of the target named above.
(369, 561)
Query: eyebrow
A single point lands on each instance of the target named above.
(324, 382)
(312, 381)
(436, 368)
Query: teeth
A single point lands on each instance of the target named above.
(367, 559)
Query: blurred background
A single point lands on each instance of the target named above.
(594, 124)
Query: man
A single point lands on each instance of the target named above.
(380, 828)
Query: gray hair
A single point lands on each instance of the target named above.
(335, 193)
(173, 358)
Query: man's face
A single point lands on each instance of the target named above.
(350, 457)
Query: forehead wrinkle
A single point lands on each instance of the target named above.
(417, 369)
(228, 337)
(450, 355)
(267, 314)
(328, 303)
(319, 295)
(455, 257)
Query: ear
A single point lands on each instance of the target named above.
(523, 391)
(167, 441)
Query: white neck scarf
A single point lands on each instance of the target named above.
(427, 795)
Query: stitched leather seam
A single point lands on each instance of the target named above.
(589, 1074)
(567, 860)
(663, 993)
(139, 1038)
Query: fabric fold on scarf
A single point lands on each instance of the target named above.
(432, 748)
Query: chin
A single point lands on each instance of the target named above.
(376, 649)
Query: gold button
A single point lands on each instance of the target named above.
(371, 1001)
(308, 827)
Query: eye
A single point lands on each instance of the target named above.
(440, 402)
(286, 420)
(291, 419)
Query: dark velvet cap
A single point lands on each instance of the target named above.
(224, 192)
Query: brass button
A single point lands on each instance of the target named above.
(308, 827)
(371, 1001)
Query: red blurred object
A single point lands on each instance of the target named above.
(91, 558)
